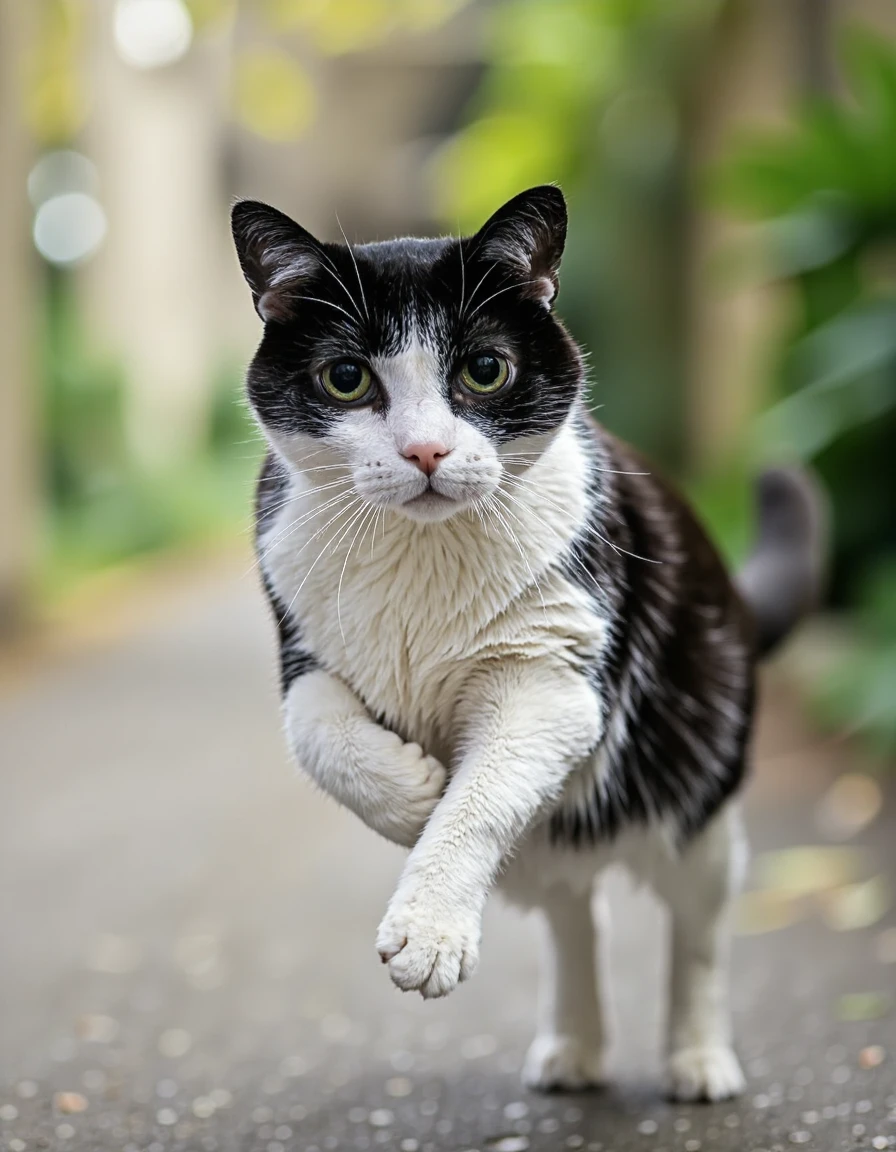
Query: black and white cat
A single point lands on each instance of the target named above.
(504, 642)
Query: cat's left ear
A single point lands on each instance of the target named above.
(528, 234)
(276, 256)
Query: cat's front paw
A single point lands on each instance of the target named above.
(427, 949)
(704, 1073)
(417, 782)
(563, 1064)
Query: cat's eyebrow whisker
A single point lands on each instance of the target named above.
(329, 268)
(463, 275)
(486, 273)
(355, 262)
(501, 291)
(328, 303)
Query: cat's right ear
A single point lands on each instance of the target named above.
(276, 256)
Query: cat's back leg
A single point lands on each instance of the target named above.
(568, 1052)
(562, 887)
(698, 888)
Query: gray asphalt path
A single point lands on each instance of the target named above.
(187, 957)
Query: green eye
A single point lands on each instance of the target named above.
(485, 374)
(346, 380)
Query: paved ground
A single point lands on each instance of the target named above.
(187, 954)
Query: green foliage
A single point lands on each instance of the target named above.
(591, 94)
(102, 508)
(825, 192)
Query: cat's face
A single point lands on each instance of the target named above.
(426, 367)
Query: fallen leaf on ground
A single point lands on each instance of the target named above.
(863, 1005)
(872, 1056)
(849, 805)
(765, 911)
(857, 905)
(70, 1102)
(97, 1029)
(810, 868)
(113, 954)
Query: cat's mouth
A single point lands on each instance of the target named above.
(431, 505)
(427, 497)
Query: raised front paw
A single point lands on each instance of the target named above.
(415, 785)
(428, 950)
(704, 1073)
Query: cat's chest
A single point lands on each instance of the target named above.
(408, 616)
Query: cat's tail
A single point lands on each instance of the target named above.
(782, 578)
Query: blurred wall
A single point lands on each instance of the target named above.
(18, 449)
(157, 137)
(163, 297)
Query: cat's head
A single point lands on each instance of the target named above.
(426, 367)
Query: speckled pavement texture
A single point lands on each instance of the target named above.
(187, 950)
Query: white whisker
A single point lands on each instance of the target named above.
(357, 270)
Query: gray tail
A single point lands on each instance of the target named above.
(782, 578)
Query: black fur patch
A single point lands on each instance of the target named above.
(677, 680)
(295, 659)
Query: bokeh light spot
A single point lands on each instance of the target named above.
(69, 228)
(61, 171)
(152, 33)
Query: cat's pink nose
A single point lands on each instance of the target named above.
(427, 457)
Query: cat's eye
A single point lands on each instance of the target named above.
(346, 380)
(485, 373)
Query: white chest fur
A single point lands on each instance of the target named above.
(405, 612)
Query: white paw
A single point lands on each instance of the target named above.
(562, 1064)
(704, 1074)
(428, 949)
(414, 786)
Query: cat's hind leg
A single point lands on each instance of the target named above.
(567, 1053)
(698, 888)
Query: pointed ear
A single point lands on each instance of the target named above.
(275, 254)
(528, 233)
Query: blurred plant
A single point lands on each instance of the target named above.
(592, 94)
(824, 191)
(55, 96)
(102, 508)
(337, 26)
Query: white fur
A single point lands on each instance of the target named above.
(452, 622)
(391, 785)
(697, 885)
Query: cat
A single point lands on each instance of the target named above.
(504, 641)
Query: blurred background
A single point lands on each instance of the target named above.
(731, 266)
(187, 955)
